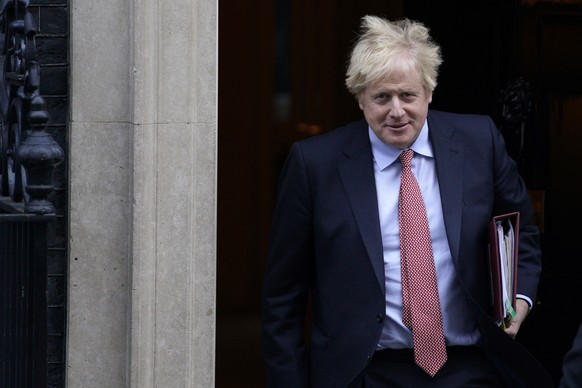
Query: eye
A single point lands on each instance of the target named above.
(382, 97)
(408, 96)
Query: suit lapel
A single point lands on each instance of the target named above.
(357, 175)
(449, 165)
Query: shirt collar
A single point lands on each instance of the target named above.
(385, 154)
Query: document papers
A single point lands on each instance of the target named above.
(503, 250)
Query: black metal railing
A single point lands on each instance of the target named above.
(28, 156)
(23, 321)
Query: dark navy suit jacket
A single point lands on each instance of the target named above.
(325, 260)
(572, 363)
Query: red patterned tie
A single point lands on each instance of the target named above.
(421, 311)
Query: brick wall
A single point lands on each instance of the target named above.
(52, 42)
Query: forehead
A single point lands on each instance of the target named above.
(397, 79)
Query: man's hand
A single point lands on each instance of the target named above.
(521, 309)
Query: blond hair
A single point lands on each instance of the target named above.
(384, 46)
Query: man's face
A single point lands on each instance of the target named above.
(396, 107)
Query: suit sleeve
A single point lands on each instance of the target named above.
(511, 194)
(572, 363)
(286, 281)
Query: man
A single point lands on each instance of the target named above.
(341, 244)
(572, 363)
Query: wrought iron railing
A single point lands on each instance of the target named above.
(23, 317)
(28, 153)
(28, 156)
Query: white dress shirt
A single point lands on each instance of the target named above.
(458, 323)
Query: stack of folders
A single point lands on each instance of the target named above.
(503, 233)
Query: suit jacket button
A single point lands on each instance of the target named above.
(379, 318)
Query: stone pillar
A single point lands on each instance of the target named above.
(142, 193)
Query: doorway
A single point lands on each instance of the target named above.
(281, 71)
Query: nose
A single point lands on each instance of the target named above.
(396, 108)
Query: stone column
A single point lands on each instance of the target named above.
(142, 193)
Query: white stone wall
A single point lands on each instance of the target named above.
(143, 165)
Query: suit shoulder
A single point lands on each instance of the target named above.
(472, 125)
(452, 117)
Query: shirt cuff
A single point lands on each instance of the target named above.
(527, 299)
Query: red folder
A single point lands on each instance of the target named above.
(503, 234)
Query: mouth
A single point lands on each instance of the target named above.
(397, 126)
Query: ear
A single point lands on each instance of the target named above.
(429, 99)
(360, 103)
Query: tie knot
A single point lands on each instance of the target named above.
(406, 157)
